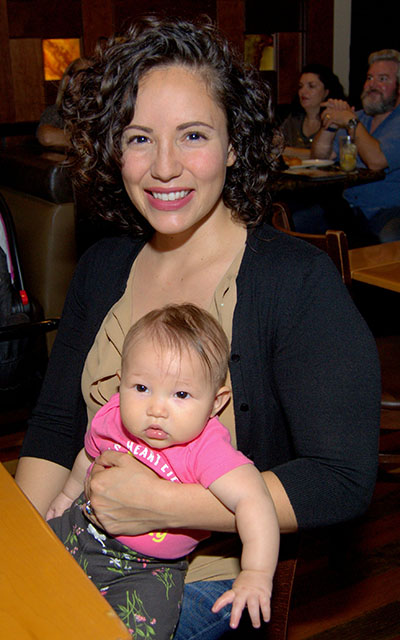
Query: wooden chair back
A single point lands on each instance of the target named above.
(335, 245)
(333, 242)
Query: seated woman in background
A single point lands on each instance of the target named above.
(316, 84)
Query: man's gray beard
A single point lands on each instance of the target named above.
(377, 108)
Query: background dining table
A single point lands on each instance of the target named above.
(378, 265)
(317, 180)
(308, 187)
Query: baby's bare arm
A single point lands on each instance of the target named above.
(244, 492)
(73, 486)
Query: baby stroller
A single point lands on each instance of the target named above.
(23, 352)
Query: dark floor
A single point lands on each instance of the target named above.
(347, 584)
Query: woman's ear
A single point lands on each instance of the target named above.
(231, 157)
(222, 398)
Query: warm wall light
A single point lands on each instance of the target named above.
(259, 51)
(57, 54)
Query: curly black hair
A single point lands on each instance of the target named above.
(329, 79)
(100, 103)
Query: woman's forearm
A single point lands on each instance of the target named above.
(211, 514)
(41, 481)
(130, 499)
(297, 152)
(286, 517)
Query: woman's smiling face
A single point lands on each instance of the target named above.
(175, 151)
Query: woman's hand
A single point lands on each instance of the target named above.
(126, 497)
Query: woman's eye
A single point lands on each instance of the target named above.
(135, 140)
(138, 139)
(141, 388)
(194, 135)
(182, 395)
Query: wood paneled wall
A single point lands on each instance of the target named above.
(7, 106)
(23, 94)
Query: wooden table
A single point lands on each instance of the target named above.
(318, 180)
(378, 265)
(44, 593)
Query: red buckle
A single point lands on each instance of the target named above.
(24, 297)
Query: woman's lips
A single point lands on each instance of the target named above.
(170, 200)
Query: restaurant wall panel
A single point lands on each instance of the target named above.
(319, 32)
(23, 23)
(128, 10)
(97, 22)
(27, 74)
(44, 18)
(233, 29)
(7, 105)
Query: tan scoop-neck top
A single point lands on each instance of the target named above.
(216, 558)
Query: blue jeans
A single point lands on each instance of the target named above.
(197, 621)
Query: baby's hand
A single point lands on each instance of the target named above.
(58, 506)
(252, 589)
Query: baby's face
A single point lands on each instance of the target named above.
(166, 397)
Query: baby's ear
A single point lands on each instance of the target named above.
(222, 398)
(118, 374)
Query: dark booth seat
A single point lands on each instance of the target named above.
(39, 194)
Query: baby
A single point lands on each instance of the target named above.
(172, 386)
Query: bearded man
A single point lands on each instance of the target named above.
(374, 207)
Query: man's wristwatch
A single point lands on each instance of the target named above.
(352, 123)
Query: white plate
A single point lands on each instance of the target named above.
(317, 163)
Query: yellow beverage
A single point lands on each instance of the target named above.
(348, 154)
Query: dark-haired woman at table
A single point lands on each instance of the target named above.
(176, 141)
(316, 84)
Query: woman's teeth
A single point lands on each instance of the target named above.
(173, 195)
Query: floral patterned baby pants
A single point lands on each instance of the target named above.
(145, 592)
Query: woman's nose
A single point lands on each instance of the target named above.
(166, 164)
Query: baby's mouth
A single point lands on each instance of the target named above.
(156, 433)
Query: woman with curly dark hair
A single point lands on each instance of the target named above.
(98, 111)
(174, 138)
(317, 83)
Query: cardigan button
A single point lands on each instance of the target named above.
(244, 406)
(235, 357)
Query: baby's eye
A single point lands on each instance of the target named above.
(141, 388)
(182, 395)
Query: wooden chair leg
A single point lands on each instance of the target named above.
(283, 584)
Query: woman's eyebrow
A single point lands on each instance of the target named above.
(139, 127)
(180, 127)
(195, 123)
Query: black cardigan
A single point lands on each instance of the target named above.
(304, 370)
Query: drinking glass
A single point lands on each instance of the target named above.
(348, 154)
